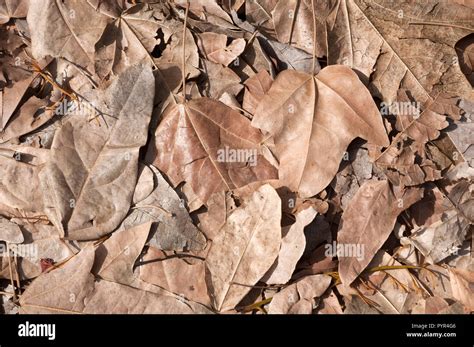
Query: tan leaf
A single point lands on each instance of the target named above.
(193, 141)
(40, 242)
(388, 33)
(115, 258)
(110, 297)
(292, 247)
(88, 184)
(62, 23)
(11, 97)
(182, 274)
(245, 248)
(255, 89)
(19, 180)
(145, 184)
(62, 290)
(214, 46)
(12, 9)
(30, 116)
(366, 224)
(10, 232)
(221, 79)
(129, 38)
(462, 283)
(175, 229)
(317, 117)
(298, 298)
(465, 52)
(71, 289)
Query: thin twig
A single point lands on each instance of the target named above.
(11, 271)
(184, 50)
(314, 37)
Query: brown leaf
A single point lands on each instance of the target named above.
(10, 232)
(110, 297)
(62, 290)
(11, 97)
(388, 34)
(255, 89)
(298, 298)
(129, 38)
(115, 258)
(68, 36)
(193, 141)
(180, 274)
(244, 249)
(175, 229)
(462, 282)
(316, 118)
(292, 247)
(88, 184)
(465, 51)
(366, 224)
(12, 9)
(71, 289)
(214, 47)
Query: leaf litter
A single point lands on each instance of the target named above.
(251, 157)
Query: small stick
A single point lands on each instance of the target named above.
(184, 50)
(11, 272)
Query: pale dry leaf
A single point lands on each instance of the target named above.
(128, 39)
(12, 9)
(381, 39)
(221, 79)
(366, 224)
(89, 183)
(62, 290)
(255, 89)
(214, 47)
(111, 297)
(11, 97)
(58, 29)
(298, 298)
(40, 242)
(462, 285)
(115, 258)
(145, 184)
(209, 145)
(316, 118)
(30, 116)
(180, 274)
(10, 232)
(292, 247)
(174, 227)
(245, 248)
(19, 180)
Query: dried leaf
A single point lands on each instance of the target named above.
(214, 47)
(68, 36)
(88, 184)
(182, 274)
(245, 248)
(317, 117)
(115, 258)
(10, 232)
(292, 247)
(175, 229)
(199, 142)
(366, 224)
(298, 298)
